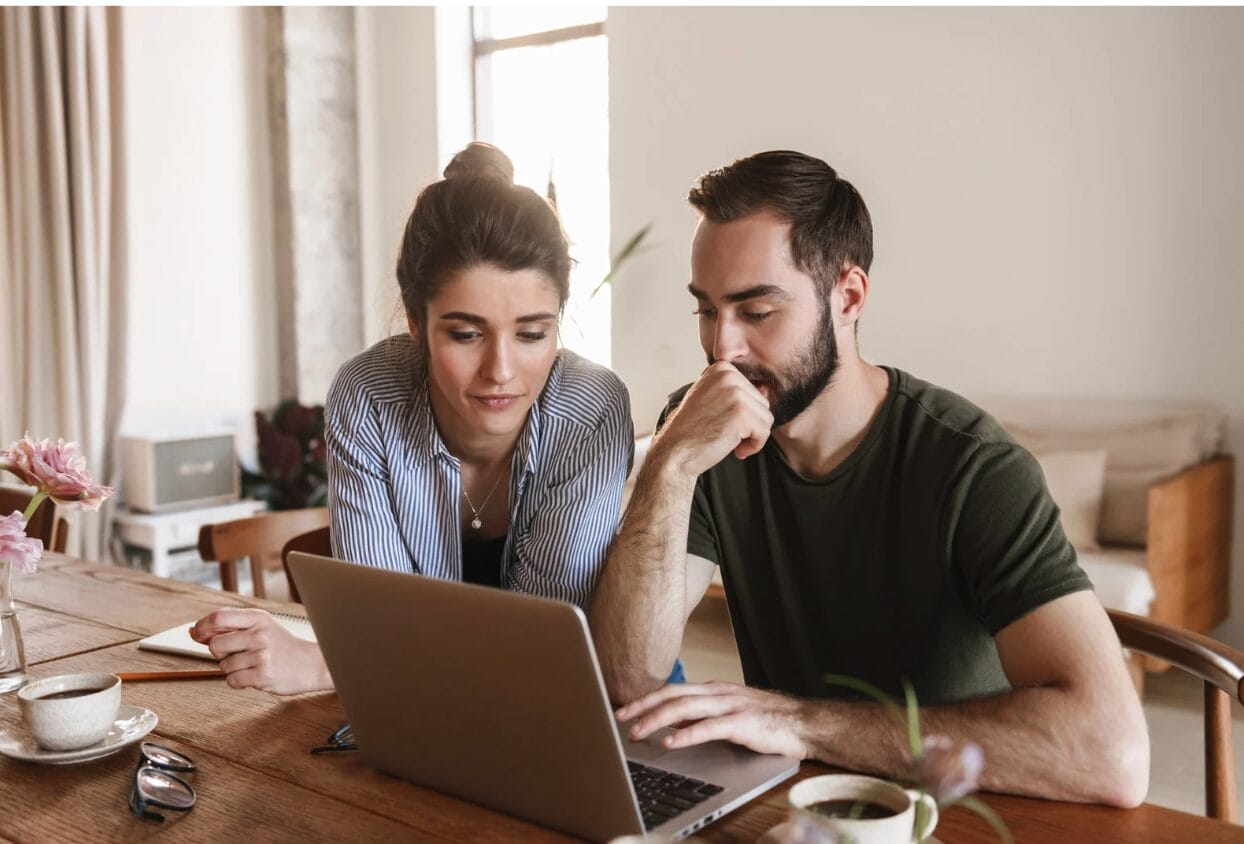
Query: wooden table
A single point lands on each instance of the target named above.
(257, 781)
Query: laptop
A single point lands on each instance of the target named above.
(497, 698)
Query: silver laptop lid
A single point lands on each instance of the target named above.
(505, 707)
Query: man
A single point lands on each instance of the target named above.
(866, 523)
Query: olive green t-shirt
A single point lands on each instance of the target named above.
(934, 534)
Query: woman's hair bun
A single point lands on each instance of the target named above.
(481, 161)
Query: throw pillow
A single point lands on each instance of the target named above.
(1076, 480)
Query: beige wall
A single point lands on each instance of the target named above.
(202, 351)
(198, 182)
(1057, 193)
(397, 144)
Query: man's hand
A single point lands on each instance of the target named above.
(256, 651)
(723, 412)
(763, 721)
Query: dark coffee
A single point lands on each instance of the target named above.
(70, 693)
(863, 810)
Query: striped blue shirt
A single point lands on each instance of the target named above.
(395, 491)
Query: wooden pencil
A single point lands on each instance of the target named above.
(169, 675)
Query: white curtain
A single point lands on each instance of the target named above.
(62, 275)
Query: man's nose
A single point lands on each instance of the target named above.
(728, 341)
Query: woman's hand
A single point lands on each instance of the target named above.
(255, 651)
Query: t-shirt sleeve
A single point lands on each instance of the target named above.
(701, 536)
(1003, 538)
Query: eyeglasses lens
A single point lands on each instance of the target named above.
(154, 785)
(163, 789)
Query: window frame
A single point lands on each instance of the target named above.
(484, 45)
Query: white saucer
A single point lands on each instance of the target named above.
(133, 722)
(777, 834)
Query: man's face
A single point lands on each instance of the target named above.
(760, 313)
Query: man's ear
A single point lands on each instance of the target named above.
(851, 292)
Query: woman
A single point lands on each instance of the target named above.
(471, 448)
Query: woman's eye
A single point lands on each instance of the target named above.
(463, 336)
(532, 336)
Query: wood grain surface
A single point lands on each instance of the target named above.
(257, 779)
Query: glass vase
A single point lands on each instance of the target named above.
(12, 651)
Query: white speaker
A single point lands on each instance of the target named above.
(178, 473)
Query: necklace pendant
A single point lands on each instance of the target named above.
(476, 523)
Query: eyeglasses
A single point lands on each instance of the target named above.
(340, 740)
(155, 785)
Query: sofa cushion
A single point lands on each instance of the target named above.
(642, 444)
(1076, 480)
(1120, 578)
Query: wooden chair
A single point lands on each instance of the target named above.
(260, 538)
(317, 541)
(1221, 667)
(45, 524)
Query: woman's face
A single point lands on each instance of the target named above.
(491, 337)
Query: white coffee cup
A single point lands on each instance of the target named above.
(70, 711)
(898, 828)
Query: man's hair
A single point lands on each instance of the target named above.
(830, 228)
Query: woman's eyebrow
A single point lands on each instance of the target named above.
(463, 316)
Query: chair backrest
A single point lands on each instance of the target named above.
(1221, 668)
(260, 538)
(318, 541)
(45, 525)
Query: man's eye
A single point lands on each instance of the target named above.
(463, 336)
(707, 313)
(757, 316)
(532, 336)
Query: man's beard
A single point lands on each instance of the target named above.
(793, 390)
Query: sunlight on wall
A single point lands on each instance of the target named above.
(547, 107)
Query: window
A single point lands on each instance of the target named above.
(542, 96)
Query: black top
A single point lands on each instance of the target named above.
(905, 561)
(481, 560)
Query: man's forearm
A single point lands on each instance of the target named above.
(1044, 741)
(638, 611)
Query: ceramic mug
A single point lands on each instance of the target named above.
(899, 804)
(70, 711)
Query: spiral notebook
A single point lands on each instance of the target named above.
(176, 640)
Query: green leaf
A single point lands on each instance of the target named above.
(982, 809)
(913, 720)
(628, 250)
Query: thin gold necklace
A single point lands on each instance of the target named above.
(476, 523)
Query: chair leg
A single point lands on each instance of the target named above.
(257, 584)
(229, 575)
(1219, 756)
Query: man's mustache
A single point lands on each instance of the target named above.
(756, 374)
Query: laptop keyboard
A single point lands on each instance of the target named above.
(663, 795)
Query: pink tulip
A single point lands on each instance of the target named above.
(16, 548)
(55, 469)
(948, 769)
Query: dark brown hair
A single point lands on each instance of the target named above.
(477, 215)
(830, 228)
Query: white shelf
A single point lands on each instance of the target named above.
(166, 533)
